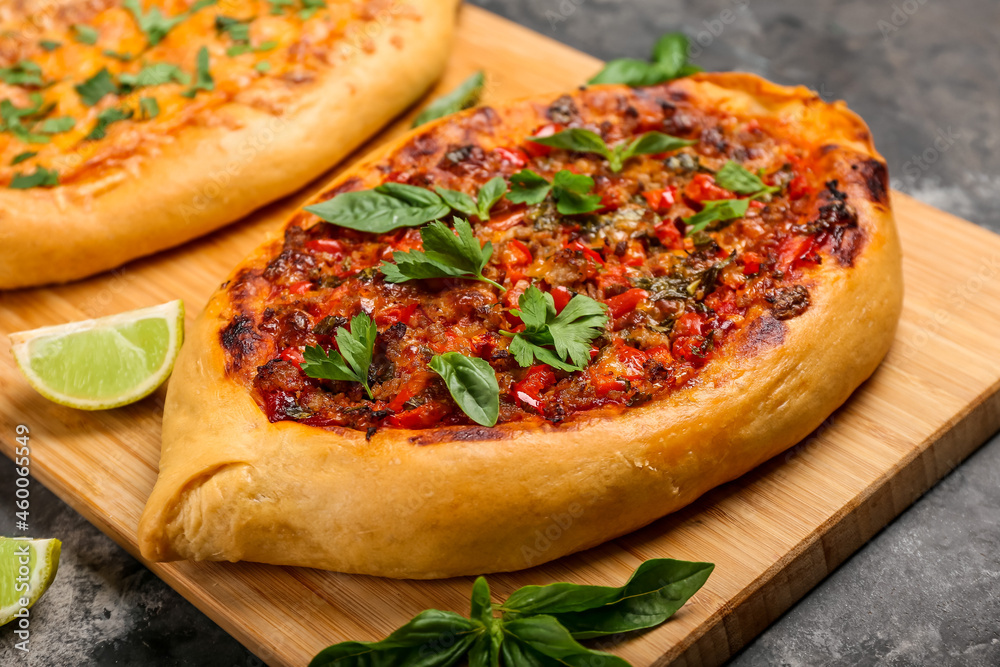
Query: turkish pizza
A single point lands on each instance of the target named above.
(526, 329)
(130, 126)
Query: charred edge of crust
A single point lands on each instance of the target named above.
(876, 178)
(463, 434)
(763, 333)
(239, 338)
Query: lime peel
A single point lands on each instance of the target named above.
(43, 563)
(102, 363)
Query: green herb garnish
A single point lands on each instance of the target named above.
(156, 74)
(85, 34)
(154, 24)
(96, 87)
(203, 77)
(736, 178)
(719, 210)
(22, 73)
(263, 67)
(57, 125)
(569, 190)
(668, 61)
(352, 362)
(538, 626)
(41, 178)
(585, 141)
(310, 7)
(277, 6)
(489, 194)
(149, 108)
(21, 157)
(105, 118)
(445, 255)
(472, 384)
(466, 95)
(49, 45)
(387, 207)
(13, 119)
(570, 332)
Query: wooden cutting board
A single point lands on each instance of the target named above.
(773, 534)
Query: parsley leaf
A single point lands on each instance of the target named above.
(719, 210)
(263, 67)
(352, 362)
(12, 119)
(277, 5)
(735, 177)
(149, 108)
(96, 87)
(570, 332)
(466, 95)
(568, 189)
(105, 118)
(472, 384)
(445, 255)
(203, 77)
(310, 7)
(57, 125)
(668, 61)
(584, 141)
(21, 157)
(387, 207)
(154, 24)
(489, 194)
(41, 178)
(49, 45)
(527, 187)
(22, 73)
(85, 34)
(237, 29)
(155, 74)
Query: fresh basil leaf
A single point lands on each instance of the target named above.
(21, 157)
(719, 210)
(85, 34)
(459, 201)
(569, 190)
(485, 650)
(527, 187)
(149, 108)
(387, 207)
(96, 87)
(105, 118)
(203, 77)
(472, 384)
(652, 143)
(656, 590)
(570, 332)
(49, 45)
(432, 639)
(353, 360)
(155, 74)
(23, 73)
(736, 178)
(488, 195)
(466, 95)
(57, 125)
(628, 71)
(575, 139)
(41, 178)
(544, 635)
(445, 255)
(670, 53)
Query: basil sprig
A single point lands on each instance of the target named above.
(538, 625)
(737, 178)
(466, 95)
(585, 141)
(569, 190)
(719, 210)
(445, 255)
(352, 362)
(472, 383)
(668, 61)
(489, 194)
(570, 332)
(387, 207)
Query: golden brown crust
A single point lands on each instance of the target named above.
(211, 175)
(233, 486)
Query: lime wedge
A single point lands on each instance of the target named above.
(25, 562)
(102, 363)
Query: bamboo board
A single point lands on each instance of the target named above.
(773, 534)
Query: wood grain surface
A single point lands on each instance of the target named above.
(773, 534)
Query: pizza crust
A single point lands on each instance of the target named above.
(467, 500)
(211, 176)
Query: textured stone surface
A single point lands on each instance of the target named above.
(927, 589)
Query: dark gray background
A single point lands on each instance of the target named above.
(926, 590)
